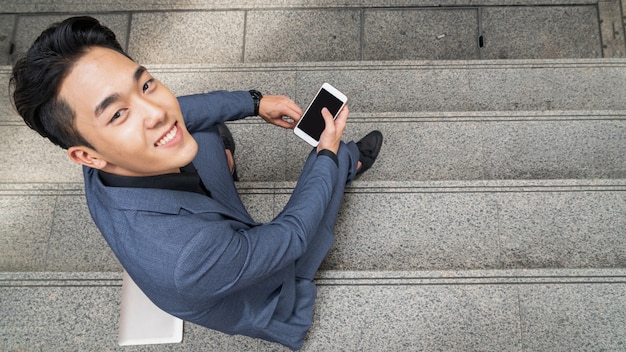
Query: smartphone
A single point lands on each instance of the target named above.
(311, 124)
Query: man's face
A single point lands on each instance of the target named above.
(134, 122)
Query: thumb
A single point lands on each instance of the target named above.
(328, 120)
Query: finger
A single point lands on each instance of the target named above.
(342, 118)
(328, 120)
(284, 123)
(294, 113)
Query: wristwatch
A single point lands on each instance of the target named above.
(256, 97)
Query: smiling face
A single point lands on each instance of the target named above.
(133, 122)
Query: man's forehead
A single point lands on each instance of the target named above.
(107, 61)
(100, 73)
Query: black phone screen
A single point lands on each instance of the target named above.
(312, 123)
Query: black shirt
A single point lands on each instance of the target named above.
(187, 180)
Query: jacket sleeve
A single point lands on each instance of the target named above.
(202, 111)
(218, 263)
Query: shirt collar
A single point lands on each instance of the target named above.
(187, 180)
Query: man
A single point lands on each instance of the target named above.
(159, 183)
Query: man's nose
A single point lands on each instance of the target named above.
(153, 113)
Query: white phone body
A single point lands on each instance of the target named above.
(311, 124)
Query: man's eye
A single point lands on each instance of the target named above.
(147, 85)
(116, 116)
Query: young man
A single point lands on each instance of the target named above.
(159, 184)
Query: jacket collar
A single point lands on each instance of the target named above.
(164, 201)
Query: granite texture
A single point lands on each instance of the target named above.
(259, 202)
(303, 35)
(418, 86)
(612, 28)
(173, 5)
(415, 318)
(415, 231)
(473, 149)
(419, 34)
(7, 112)
(554, 149)
(417, 146)
(541, 32)
(261, 152)
(7, 23)
(416, 150)
(474, 86)
(444, 228)
(386, 226)
(34, 158)
(59, 318)
(562, 229)
(413, 311)
(75, 242)
(295, 32)
(581, 317)
(187, 37)
(424, 86)
(25, 226)
(192, 80)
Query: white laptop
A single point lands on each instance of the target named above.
(142, 322)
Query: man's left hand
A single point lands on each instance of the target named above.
(280, 111)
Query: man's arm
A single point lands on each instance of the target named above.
(205, 110)
(202, 111)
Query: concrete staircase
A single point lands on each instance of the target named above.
(494, 220)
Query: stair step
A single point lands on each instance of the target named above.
(43, 6)
(411, 86)
(495, 310)
(456, 146)
(245, 31)
(418, 146)
(382, 225)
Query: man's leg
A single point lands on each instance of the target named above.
(309, 263)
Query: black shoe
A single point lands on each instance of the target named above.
(369, 146)
(229, 143)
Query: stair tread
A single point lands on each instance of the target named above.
(419, 146)
(517, 85)
(382, 225)
(497, 313)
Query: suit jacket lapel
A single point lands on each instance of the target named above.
(160, 200)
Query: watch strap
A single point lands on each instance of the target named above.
(256, 97)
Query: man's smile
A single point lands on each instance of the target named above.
(168, 137)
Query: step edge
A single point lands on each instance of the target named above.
(450, 186)
(143, 6)
(387, 65)
(361, 278)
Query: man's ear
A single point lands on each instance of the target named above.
(86, 156)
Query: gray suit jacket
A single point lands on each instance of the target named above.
(206, 260)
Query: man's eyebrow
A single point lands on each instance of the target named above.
(114, 97)
(105, 103)
(139, 72)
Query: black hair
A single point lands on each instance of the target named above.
(37, 77)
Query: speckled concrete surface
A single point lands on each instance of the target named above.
(411, 311)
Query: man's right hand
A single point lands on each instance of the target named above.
(331, 137)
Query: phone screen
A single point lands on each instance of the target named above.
(312, 123)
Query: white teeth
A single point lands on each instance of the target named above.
(168, 137)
